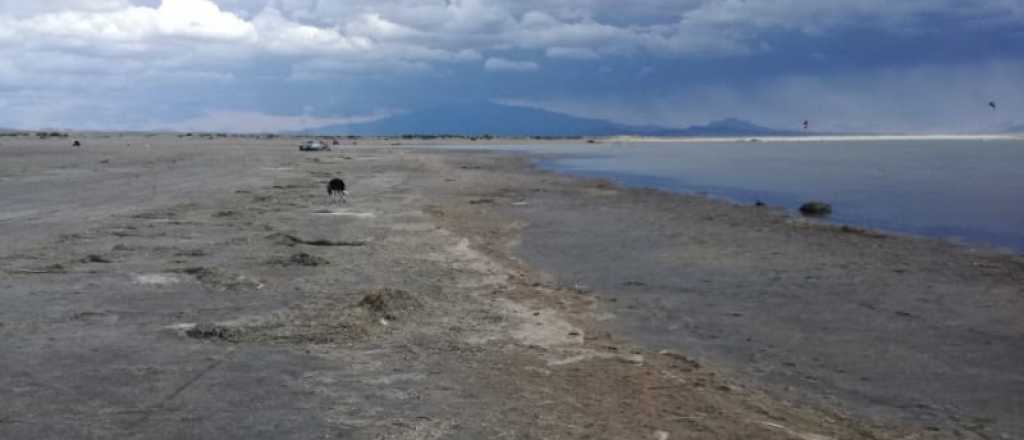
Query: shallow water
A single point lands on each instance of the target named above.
(961, 190)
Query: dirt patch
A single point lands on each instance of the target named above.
(156, 279)
(862, 232)
(221, 279)
(52, 268)
(390, 303)
(93, 258)
(169, 213)
(292, 240)
(191, 253)
(318, 322)
(211, 331)
(300, 259)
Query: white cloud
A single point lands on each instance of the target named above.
(199, 19)
(280, 35)
(501, 64)
(254, 122)
(572, 53)
(376, 27)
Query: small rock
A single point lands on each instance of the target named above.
(636, 359)
(93, 258)
(661, 435)
(816, 209)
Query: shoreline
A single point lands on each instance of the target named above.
(832, 277)
(458, 293)
(820, 138)
(793, 214)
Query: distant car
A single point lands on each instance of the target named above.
(314, 146)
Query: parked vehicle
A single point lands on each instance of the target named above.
(314, 146)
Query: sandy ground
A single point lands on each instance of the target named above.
(157, 287)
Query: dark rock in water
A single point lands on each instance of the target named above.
(759, 203)
(816, 209)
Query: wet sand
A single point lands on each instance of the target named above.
(162, 287)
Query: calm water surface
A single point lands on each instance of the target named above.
(967, 191)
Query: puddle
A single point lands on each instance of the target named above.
(156, 279)
(345, 213)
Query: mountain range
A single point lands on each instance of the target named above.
(504, 120)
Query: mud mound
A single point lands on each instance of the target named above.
(211, 331)
(93, 258)
(292, 240)
(168, 213)
(220, 279)
(156, 215)
(300, 259)
(390, 303)
(862, 232)
(191, 253)
(318, 322)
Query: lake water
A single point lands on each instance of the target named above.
(961, 190)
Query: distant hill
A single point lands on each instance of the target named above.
(725, 127)
(504, 120)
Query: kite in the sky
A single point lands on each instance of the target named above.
(992, 104)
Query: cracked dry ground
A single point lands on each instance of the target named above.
(264, 313)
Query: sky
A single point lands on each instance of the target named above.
(272, 65)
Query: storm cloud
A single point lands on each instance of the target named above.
(866, 65)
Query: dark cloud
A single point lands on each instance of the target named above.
(671, 62)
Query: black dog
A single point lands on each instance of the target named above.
(337, 186)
